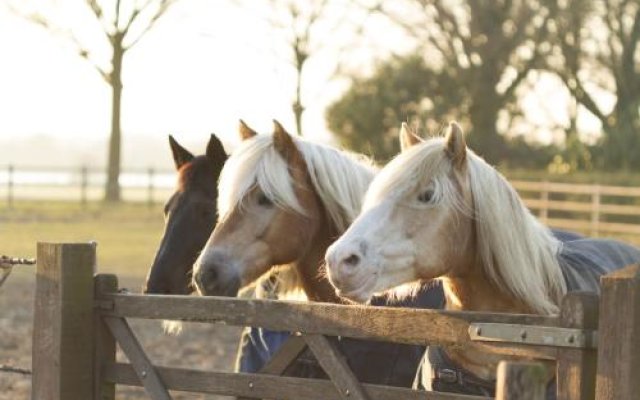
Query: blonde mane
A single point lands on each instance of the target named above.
(517, 252)
(339, 178)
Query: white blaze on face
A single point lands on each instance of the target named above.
(374, 254)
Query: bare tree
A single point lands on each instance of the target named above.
(598, 53)
(122, 25)
(301, 28)
(488, 47)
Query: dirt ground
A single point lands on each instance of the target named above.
(201, 346)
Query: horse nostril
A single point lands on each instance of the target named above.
(352, 261)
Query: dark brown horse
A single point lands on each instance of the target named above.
(190, 216)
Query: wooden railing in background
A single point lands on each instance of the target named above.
(588, 209)
(594, 210)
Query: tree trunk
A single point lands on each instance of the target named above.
(485, 106)
(297, 106)
(112, 188)
(622, 140)
(484, 138)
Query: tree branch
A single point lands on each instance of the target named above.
(41, 21)
(578, 91)
(163, 6)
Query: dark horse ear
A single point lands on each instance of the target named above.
(215, 150)
(181, 156)
(283, 142)
(407, 137)
(245, 131)
(455, 145)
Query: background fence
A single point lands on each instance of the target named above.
(594, 210)
(82, 184)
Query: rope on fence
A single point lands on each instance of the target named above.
(14, 370)
(6, 266)
(7, 263)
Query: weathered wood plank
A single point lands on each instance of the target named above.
(146, 372)
(63, 322)
(288, 352)
(105, 344)
(334, 364)
(576, 368)
(521, 381)
(411, 326)
(619, 332)
(267, 386)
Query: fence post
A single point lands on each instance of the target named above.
(105, 343)
(84, 182)
(521, 381)
(544, 197)
(150, 188)
(576, 368)
(619, 335)
(63, 322)
(595, 211)
(10, 186)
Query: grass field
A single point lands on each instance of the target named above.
(127, 234)
(127, 237)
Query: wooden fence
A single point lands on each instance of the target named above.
(594, 210)
(82, 184)
(80, 318)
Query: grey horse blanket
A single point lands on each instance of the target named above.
(582, 261)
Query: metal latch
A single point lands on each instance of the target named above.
(533, 335)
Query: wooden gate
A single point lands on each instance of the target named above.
(80, 317)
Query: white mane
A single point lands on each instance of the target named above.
(339, 178)
(517, 252)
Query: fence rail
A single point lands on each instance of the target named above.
(595, 210)
(82, 184)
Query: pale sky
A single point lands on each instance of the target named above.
(205, 64)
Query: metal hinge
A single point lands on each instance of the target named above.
(533, 335)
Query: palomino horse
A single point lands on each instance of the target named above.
(282, 201)
(439, 211)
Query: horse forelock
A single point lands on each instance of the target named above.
(197, 172)
(185, 175)
(407, 171)
(339, 179)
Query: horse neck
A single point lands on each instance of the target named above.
(313, 279)
(469, 289)
(475, 292)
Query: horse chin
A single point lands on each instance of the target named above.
(361, 295)
(358, 298)
(229, 288)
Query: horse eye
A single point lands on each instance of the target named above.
(426, 196)
(263, 200)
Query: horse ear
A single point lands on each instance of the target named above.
(215, 150)
(283, 142)
(407, 137)
(455, 145)
(181, 156)
(245, 131)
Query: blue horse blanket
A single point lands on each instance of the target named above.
(583, 262)
(385, 363)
